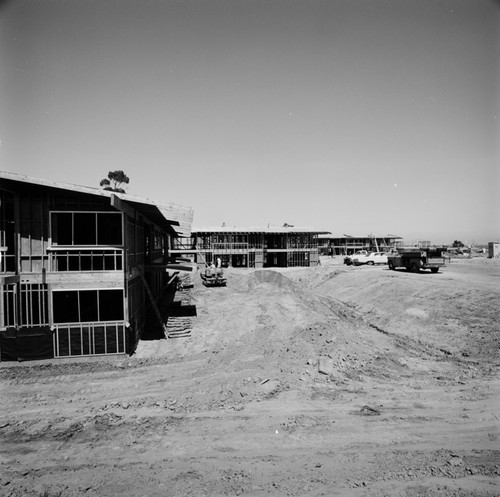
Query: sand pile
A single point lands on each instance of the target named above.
(293, 382)
(272, 333)
(299, 329)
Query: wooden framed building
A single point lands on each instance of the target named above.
(78, 266)
(347, 244)
(286, 246)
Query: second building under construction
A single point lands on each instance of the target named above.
(286, 246)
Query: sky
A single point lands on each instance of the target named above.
(352, 116)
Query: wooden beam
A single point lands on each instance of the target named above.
(154, 268)
(122, 206)
(173, 278)
(98, 278)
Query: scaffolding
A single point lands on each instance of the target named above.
(251, 249)
(347, 244)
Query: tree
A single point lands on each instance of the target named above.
(114, 181)
(458, 244)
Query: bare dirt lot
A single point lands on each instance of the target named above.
(332, 380)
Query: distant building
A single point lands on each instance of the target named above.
(78, 266)
(286, 246)
(347, 244)
(493, 249)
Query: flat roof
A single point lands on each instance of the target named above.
(234, 230)
(168, 215)
(365, 237)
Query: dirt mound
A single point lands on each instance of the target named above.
(424, 307)
(259, 280)
(267, 324)
(292, 382)
(301, 326)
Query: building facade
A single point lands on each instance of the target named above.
(78, 267)
(347, 245)
(286, 246)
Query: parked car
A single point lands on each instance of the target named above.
(348, 258)
(370, 259)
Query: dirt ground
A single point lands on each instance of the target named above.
(324, 381)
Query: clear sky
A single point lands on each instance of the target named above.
(353, 116)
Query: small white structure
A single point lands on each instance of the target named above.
(493, 249)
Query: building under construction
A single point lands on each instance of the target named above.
(286, 246)
(347, 244)
(79, 266)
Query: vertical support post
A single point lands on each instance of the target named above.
(2, 310)
(151, 298)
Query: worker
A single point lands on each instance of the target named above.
(219, 262)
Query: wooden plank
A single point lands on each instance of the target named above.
(94, 277)
(12, 278)
(179, 327)
(175, 266)
(190, 268)
(173, 278)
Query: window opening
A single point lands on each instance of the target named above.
(84, 229)
(62, 228)
(7, 233)
(83, 306)
(87, 228)
(109, 229)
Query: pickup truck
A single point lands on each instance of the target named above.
(349, 258)
(370, 259)
(414, 259)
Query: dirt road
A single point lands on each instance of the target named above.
(332, 380)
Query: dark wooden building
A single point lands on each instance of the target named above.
(78, 266)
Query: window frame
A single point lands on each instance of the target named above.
(53, 242)
(78, 290)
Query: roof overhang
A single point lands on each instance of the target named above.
(173, 218)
